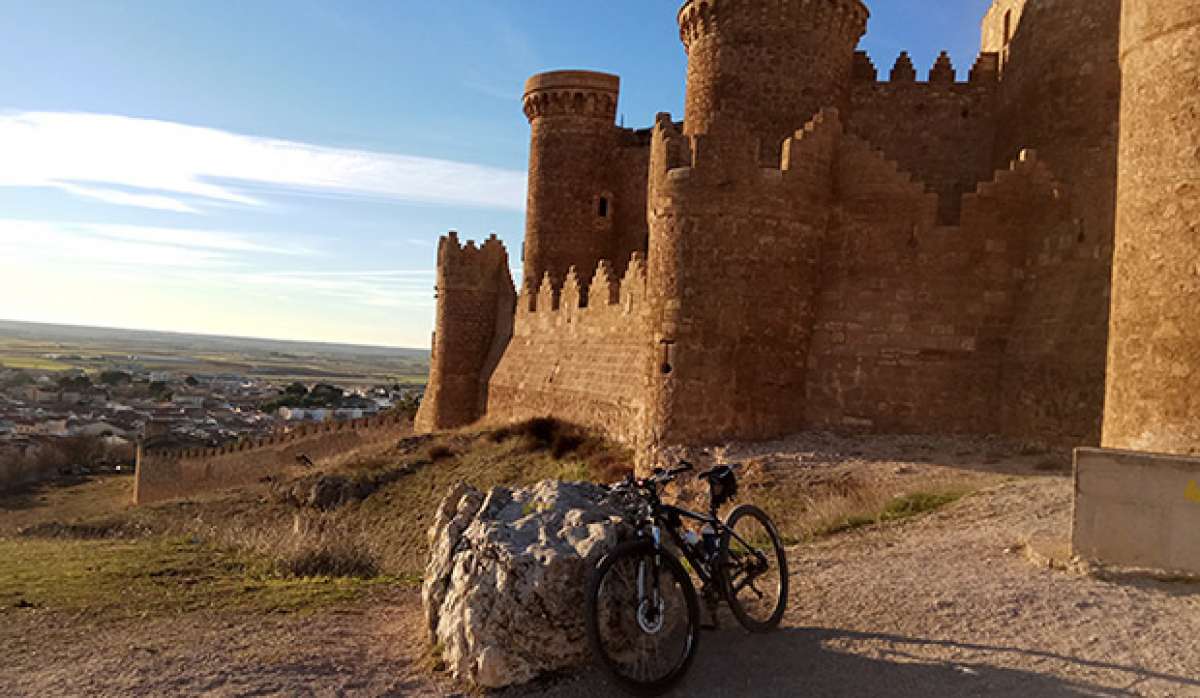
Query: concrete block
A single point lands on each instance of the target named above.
(1137, 509)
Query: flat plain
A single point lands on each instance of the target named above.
(42, 347)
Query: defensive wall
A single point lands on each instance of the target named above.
(1059, 93)
(171, 474)
(940, 130)
(476, 300)
(914, 316)
(579, 352)
(733, 275)
(926, 253)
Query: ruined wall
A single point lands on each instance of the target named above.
(1154, 356)
(734, 268)
(578, 353)
(1059, 93)
(941, 131)
(767, 67)
(474, 321)
(165, 475)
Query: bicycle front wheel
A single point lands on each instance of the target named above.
(642, 617)
(753, 569)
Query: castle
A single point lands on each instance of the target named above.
(818, 244)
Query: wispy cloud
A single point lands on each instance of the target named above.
(386, 288)
(178, 167)
(28, 242)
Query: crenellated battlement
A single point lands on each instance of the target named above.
(984, 73)
(873, 207)
(735, 154)
(464, 266)
(698, 18)
(279, 440)
(577, 93)
(602, 293)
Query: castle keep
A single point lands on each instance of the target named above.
(820, 243)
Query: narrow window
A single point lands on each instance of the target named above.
(603, 211)
(1007, 27)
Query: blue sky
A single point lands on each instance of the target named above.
(284, 168)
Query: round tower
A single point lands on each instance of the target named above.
(1153, 392)
(767, 65)
(569, 215)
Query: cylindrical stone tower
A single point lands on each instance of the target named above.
(1153, 392)
(767, 66)
(569, 215)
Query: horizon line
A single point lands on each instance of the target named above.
(179, 333)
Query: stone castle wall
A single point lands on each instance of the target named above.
(476, 300)
(1153, 398)
(163, 475)
(922, 255)
(767, 67)
(579, 352)
(940, 130)
(1059, 94)
(913, 316)
(734, 271)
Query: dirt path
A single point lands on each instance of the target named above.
(944, 606)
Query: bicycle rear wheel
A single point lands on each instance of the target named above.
(642, 617)
(753, 569)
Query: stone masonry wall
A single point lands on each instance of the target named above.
(474, 321)
(163, 475)
(767, 67)
(587, 177)
(578, 353)
(1059, 94)
(1153, 399)
(941, 131)
(734, 271)
(913, 316)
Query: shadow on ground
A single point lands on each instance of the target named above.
(811, 662)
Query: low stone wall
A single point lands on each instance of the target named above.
(165, 475)
(1137, 510)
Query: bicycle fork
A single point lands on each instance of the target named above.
(651, 611)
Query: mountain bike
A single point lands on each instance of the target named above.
(643, 612)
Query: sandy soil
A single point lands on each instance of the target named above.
(947, 605)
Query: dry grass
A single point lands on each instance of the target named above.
(805, 510)
(384, 534)
(155, 576)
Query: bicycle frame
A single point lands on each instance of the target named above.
(672, 517)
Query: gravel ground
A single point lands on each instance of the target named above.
(947, 605)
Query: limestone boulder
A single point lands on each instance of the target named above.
(504, 589)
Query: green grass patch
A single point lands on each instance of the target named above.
(154, 577)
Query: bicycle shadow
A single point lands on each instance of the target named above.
(810, 662)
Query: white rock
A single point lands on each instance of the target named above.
(504, 588)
